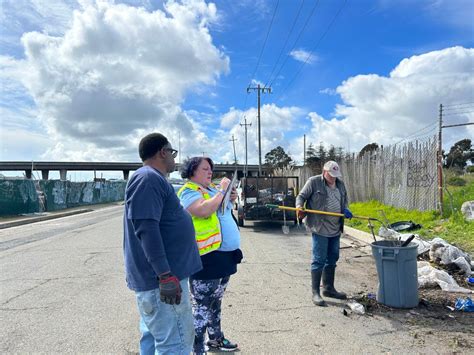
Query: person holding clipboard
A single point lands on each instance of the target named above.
(218, 240)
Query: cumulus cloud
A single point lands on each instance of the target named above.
(303, 56)
(119, 71)
(277, 126)
(404, 104)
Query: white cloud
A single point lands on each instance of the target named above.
(388, 109)
(303, 56)
(374, 108)
(118, 72)
(277, 126)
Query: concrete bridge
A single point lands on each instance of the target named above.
(63, 167)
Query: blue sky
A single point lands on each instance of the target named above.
(85, 80)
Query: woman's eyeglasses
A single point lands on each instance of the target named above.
(174, 152)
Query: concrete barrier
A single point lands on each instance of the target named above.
(29, 196)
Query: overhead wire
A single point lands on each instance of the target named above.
(314, 47)
(457, 104)
(296, 41)
(261, 52)
(457, 113)
(413, 135)
(265, 42)
(460, 108)
(286, 41)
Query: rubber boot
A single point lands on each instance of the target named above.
(315, 282)
(328, 284)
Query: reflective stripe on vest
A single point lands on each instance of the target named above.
(208, 231)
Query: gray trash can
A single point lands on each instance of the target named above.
(397, 272)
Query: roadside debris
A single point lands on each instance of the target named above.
(428, 276)
(356, 307)
(467, 209)
(465, 305)
(404, 226)
(443, 253)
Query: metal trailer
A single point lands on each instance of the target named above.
(256, 192)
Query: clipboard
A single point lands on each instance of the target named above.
(226, 199)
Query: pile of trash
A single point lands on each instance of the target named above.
(442, 254)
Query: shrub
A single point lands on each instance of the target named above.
(456, 181)
(470, 169)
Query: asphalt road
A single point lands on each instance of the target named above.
(63, 290)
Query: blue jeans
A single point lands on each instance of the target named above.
(165, 329)
(325, 251)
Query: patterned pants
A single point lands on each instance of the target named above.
(206, 300)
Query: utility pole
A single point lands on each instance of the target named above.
(179, 147)
(259, 90)
(440, 152)
(245, 124)
(233, 143)
(304, 150)
(440, 159)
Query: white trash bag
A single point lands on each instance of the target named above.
(428, 276)
(443, 253)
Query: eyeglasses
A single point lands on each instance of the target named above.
(174, 152)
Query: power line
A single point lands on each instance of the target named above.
(296, 41)
(314, 47)
(460, 108)
(413, 135)
(458, 104)
(457, 113)
(286, 41)
(265, 42)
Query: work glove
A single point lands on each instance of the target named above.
(347, 213)
(301, 214)
(170, 289)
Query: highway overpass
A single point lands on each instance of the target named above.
(63, 167)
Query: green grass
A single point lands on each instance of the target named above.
(451, 226)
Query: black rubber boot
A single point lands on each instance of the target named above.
(328, 284)
(315, 281)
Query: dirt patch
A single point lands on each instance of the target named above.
(433, 317)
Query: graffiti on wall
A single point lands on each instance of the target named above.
(22, 196)
(418, 174)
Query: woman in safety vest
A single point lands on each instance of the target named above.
(218, 239)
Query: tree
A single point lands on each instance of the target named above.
(459, 154)
(312, 159)
(339, 153)
(331, 153)
(321, 153)
(371, 147)
(277, 158)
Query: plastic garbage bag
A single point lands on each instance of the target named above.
(444, 253)
(388, 234)
(462, 263)
(465, 305)
(423, 245)
(356, 307)
(428, 276)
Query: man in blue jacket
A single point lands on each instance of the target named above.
(325, 192)
(160, 251)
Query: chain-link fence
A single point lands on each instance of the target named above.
(402, 176)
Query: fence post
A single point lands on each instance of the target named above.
(440, 159)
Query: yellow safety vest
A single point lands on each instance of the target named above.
(208, 230)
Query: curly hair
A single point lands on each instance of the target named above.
(190, 166)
